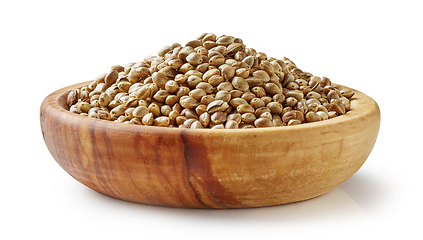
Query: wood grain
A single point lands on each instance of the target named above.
(205, 168)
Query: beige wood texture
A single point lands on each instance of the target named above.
(205, 168)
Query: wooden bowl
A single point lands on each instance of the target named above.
(205, 168)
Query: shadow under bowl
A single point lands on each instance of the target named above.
(204, 168)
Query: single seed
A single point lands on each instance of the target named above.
(194, 43)
(196, 125)
(118, 111)
(204, 119)
(225, 86)
(136, 121)
(332, 114)
(262, 75)
(217, 60)
(189, 102)
(218, 126)
(286, 117)
(203, 67)
(293, 122)
(193, 80)
(235, 102)
(223, 95)
(332, 94)
(292, 86)
(248, 96)
(313, 94)
(231, 124)
(247, 126)
(267, 67)
(217, 105)
(161, 121)
(245, 108)
(207, 87)
(75, 109)
(261, 110)
(323, 115)
(171, 87)
(104, 99)
(263, 122)
(197, 94)
(275, 108)
(325, 81)
(272, 89)
(206, 100)
(161, 95)
(111, 77)
(200, 109)
(258, 91)
(348, 93)
(168, 72)
(140, 111)
(160, 79)
(225, 40)
(240, 84)
(218, 118)
(235, 117)
(228, 72)
(290, 102)
(297, 94)
(346, 102)
(242, 72)
(148, 119)
(93, 114)
(257, 103)
(181, 78)
(208, 37)
(72, 97)
(104, 115)
(180, 120)
(165, 110)
(248, 118)
(312, 117)
(299, 115)
(194, 59)
(338, 106)
(182, 91)
(122, 119)
(277, 121)
(280, 98)
(267, 115)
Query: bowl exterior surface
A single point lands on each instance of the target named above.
(209, 168)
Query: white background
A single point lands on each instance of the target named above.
(372, 46)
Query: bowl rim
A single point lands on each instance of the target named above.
(361, 106)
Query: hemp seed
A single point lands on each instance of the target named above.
(211, 82)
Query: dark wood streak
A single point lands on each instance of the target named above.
(78, 150)
(103, 160)
(53, 136)
(97, 157)
(143, 160)
(160, 161)
(199, 164)
(108, 162)
(140, 154)
(188, 160)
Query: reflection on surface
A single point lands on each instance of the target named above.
(350, 201)
(369, 193)
(325, 207)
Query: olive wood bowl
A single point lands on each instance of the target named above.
(204, 168)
